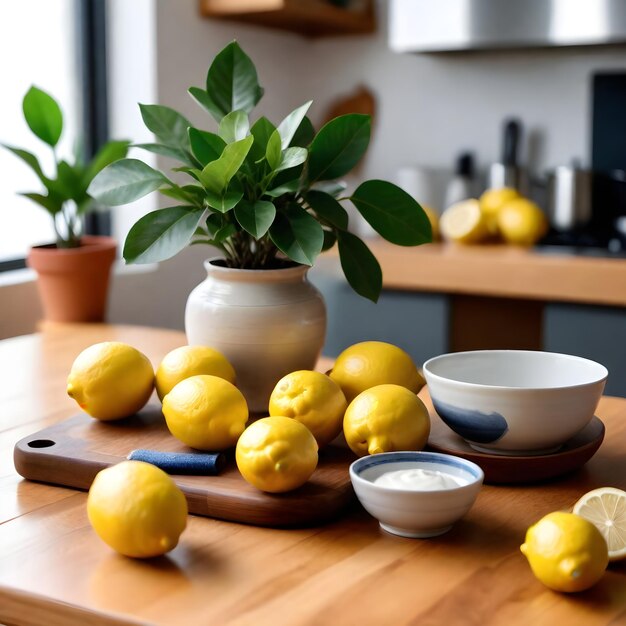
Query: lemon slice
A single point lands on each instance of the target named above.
(464, 222)
(606, 509)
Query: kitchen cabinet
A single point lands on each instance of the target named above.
(312, 18)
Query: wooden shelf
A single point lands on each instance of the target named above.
(312, 18)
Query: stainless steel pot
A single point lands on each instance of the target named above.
(569, 198)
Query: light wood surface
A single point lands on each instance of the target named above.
(502, 272)
(55, 571)
(314, 18)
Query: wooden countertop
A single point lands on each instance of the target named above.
(502, 271)
(54, 570)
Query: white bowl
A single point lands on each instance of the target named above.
(410, 512)
(515, 401)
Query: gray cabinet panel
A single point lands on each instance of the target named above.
(597, 333)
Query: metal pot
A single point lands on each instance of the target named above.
(569, 198)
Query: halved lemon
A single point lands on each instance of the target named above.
(605, 508)
(464, 222)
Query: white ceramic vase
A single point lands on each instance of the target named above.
(267, 322)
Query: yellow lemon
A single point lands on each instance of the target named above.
(605, 508)
(137, 509)
(276, 454)
(566, 552)
(492, 201)
(206, 412)
(110, 380)
(313, 399)
(188, 361)
(521, 222)
(386, 418)
(464, 222)
(370, 363)
(433, 218)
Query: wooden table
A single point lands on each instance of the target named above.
(54, 570)
(498, 292)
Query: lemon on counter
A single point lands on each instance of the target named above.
(386, 418)
(370, 363)
(521, 222)
(206, 412)
(313, 399)
(464, 222)
(605, 508)
(137, 509)
(276, 454)
(566, 552)
(111, 380)
(188, 361)
(491, 201)
(433, 218)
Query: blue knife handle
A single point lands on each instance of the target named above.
(192, 463)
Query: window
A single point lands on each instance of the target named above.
(38, 45)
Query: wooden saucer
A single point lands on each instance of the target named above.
(501, 469)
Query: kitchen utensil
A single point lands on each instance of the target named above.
(507, 172)
(515, 401)
(72, 452)
(192, 463)
(461, 186)
(409, 512)
(569, 192)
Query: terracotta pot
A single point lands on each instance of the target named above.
(267, 322)
(73, 282)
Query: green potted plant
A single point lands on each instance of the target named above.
(268, 199)
(73, 273)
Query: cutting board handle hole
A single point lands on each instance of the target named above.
(40, 443)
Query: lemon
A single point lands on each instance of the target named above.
(386, 418)
(521, 222)
(433, 218)
(566, 552)
(110, 380)
(313, 399)
(137, 509)
(605, 508)
(276, 454)
(492, 201)
(189, 361)
(370, 363)
(464, 222)
(206, 412)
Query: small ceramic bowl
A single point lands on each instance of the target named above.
(411, 512)
(515, 401)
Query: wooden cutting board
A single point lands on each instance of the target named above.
(72, 452)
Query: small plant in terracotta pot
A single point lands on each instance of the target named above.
(267, 197)
(73, 273)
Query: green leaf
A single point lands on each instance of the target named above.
(332, 187)
(297, 235)
(261, 130)
(205, 101)
(359, 266)
(330, 238)
(273, 152)
(304, 135)
(234, 126)
(169, 126)
(69, 182)
(292, 157)
(108, 153)
(28, 158)
(214, 222)
(328, 208)
(288, 127)
(189, 194)
(228, 230)
(255, 217)
(124, 181)
(51, 203)
(232, 82)
(339, 146)
(216, 175)
(43, 115)
(290, 187)
(180, 154)
(392, 213)
(206, 146)
(161, 234)
(223, 202)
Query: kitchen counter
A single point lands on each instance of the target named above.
(54, 570)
